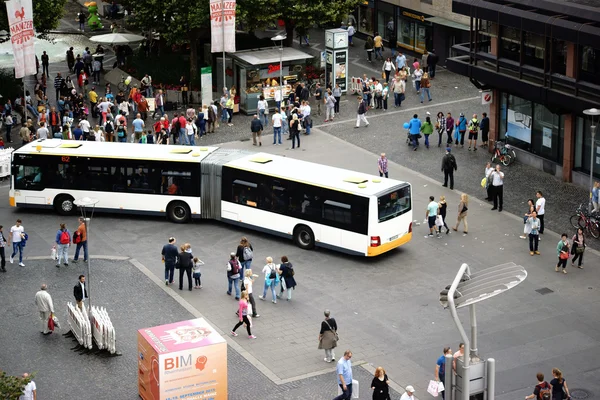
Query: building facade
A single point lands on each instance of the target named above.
(540, 60)
(413, 25)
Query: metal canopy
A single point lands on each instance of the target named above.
(270, 55)
(484, 284)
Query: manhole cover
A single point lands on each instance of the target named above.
(579, 394)
(544, 290)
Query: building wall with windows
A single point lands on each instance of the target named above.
(542, 64)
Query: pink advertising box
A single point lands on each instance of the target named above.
(184, 360)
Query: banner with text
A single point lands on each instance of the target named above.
(222, 24)
(20, 22)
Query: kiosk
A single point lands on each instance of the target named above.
(256, 72)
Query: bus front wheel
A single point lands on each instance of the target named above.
(178, 212)
(304, 237)
(64, 204)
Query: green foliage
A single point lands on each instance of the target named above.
(11, 387)
(11, 87)
(46, 15)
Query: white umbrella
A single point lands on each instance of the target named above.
(117, 38)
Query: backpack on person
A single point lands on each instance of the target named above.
(248, 253)
(273, 274)
(76, 237)
(64, 238)
(121, 131)
(545, 391)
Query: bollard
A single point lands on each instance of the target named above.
(491, 379)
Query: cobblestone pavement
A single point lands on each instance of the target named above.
(133, 302)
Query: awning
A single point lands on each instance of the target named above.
(448, 23)
(270, 55)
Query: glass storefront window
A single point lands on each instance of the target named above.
(583, 136)
(365, 16)
(406, 33)
(421, 44)
(547, 134)
(385, 26)
(518, 122)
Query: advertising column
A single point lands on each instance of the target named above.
(184, 360)
(336, 70)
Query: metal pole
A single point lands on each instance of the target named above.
(592, 143)
(491, 378)
(473, 349)
(465, 372)
(87, 222)
(448, 377)
(223, 40)
(280, 77)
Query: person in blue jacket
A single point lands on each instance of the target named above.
(414, 129)
(461, 127)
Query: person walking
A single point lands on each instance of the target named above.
(351, 32)
(541, 391)
(414, 130)
(463, 209)
(540, 207)
(8, 122)
(417, 76)
(169, 257)
(560, 390)
(497, 181)
(243, 316)
(249, 279)
(244, 253)
(185, 264)
(461, 126)
(440, 127)
(448, 167)
(427, 130)
(430, 214)
(63, 241)
(398, 87)
(562, 251)
(440, 368)
(271, 280)
(527, 227)
(233, 275)
(382, 165)
(80, 291)
(2, 253)
(256, 127)
(263, 110)
(533, 226)
(378, 46)
(330, 103)
(380, 385)
(295, 130)
(449, 128)
(337, 95)
(578, 247)
(328, 336)
(277, 120)
(432, 60)
(409, 394)
(360, 113)
(484, 125)
(197, 272)
(30, 390)
(344, 376)
(45, 306)
(473, 130)
(425, 87)
(595, 197)
(17, 235)
(387, 68)
(442, 209)
(318, 97)
(369, 44)
(80, 239)
(286, 272)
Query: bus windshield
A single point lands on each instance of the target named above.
(394, 203)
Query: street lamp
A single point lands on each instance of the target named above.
(280, 38)
(594, 114)
(87, 205)
(467, 289)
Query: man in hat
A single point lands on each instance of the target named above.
(409, 394)
(448, 167)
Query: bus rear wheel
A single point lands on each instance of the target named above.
(64, 204)
(304, 237)
(178, 212)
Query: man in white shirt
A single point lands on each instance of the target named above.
(16, 235)
(306, 120)
(276, 118)
(85, 128)
(400, 61)
(409, 394)
(45, 306)
(497, 188)
(351, 32)
(30, 390)
(147, 85)
(42, 132)
(277, 99)
(540, 207)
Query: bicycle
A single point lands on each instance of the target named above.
(503, 154)
(586, 221)
(123, 86)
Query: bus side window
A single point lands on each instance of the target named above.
(245, 193)
(29, 178)
(337, 212)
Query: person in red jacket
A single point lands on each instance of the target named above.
(54, 120)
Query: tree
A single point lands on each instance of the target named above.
(177, 21)
(298, 16)
(46, 15)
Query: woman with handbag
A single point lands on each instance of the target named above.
(380, 385)
(328, 337)
(463, 210)
(533, 226)
(560, 390)
(578, 248)
(530, 210)
(443, 206)
(562, 250)
(286, 272)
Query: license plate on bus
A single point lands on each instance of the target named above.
(394, 238)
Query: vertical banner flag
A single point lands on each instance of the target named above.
(222, 23)
(20, 21)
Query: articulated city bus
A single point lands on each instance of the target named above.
(313, 204)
